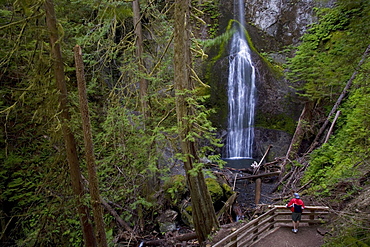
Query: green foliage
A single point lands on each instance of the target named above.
(324, 62)
(350, 146)
(330, 50)
(212, 9)
(277, 122)
(353, 235)
(176, 188)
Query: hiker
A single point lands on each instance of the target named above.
(296, 205)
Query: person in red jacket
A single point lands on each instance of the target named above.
(296, 205)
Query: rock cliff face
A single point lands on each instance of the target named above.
(272, 25)
(285, 20)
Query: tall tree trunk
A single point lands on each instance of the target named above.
(203, 213)
(143, 93)
(89, 151)
(69, 140)
(139, 55)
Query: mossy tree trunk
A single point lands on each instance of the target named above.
(89, 151)
(69, 140)
(203, 213)
(139, 54)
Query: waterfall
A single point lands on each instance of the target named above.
(241, 92)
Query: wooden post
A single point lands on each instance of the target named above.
(258, 191)
(273, 219)
(312, 216)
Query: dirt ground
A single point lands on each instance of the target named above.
(307, 236)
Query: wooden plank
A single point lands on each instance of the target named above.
(269, 174)
(256, 228)
(318, 221)
(244, 241)
(304, 213)
(306, 207)
(226, 239)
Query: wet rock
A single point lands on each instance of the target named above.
(167, 221)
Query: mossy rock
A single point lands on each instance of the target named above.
(186, 215)
(228, 191)
(214, 189)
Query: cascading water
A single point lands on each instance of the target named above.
(241, 92)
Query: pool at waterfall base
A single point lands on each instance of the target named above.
(239, 162)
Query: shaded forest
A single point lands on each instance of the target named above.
(105, 121)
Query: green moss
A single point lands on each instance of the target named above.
(281, 122)
(214, 189)
(189, 209)
(186, 215)
(228, 191)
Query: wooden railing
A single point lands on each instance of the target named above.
(261, 226)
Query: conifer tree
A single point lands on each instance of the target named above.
(203, 213)
(70, 144)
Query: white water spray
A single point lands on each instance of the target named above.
(241, 93)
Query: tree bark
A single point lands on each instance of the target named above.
(89, 151)
(70, 144)
(203, 213)
(139, 54)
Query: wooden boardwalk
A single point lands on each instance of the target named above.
(274, 228)
(307, 236)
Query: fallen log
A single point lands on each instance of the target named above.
(331, 127)
(228, 204)
(280, 181)
(113, 212)
(257, 168)
(116, 216)
(170, 241)
(262, 175)
(301, 129)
